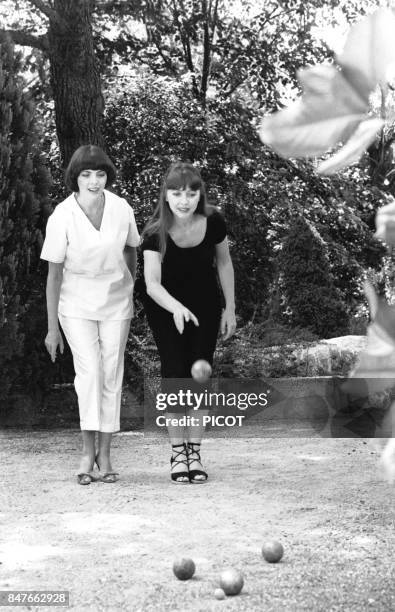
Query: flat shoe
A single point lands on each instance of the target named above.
(84, 478)
(109, 477)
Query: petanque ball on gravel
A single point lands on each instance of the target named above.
(183, 568)
(219, 594)
(272, 551)
(231, 581)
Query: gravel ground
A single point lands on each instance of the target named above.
(112, 546)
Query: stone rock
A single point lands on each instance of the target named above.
(354, 344)
(335, 356)
(332, 356)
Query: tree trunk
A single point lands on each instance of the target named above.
(75, 76)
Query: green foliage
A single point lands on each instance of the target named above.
(175, 91)
(311, 300)
(341, 209)
(272, 333)
(262, 349)
(335, 108)
(276, 350)
(24, 185)
(157, 122)
(222, 47)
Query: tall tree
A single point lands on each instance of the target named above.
(219, 46)
(67, 42)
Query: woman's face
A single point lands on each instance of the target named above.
(183, 202)
(91, 182)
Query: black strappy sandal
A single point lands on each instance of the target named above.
(176, 461)
(196, 457)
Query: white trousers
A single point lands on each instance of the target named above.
(98, 349)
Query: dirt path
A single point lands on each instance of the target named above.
(112, 546)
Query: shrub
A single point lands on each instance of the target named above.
(24, 184)
(310, 298)
(157, 121)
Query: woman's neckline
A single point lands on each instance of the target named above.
(194, 245)
(97, 229)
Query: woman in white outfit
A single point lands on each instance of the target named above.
(90, 246)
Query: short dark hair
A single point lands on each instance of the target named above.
(88, 157)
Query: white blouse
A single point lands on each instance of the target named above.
(97, 283)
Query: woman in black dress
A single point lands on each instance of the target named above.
(185, 252)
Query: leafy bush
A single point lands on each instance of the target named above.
(273, 333)
(155, 120)
(24, 185)
(310, 297)
(262, 349)
(276, 350)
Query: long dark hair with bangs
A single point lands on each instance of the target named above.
(180, 175)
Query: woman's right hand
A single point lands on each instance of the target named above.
(181, 315)
(52, 341)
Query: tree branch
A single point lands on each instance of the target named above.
(44, 8)
(214, 19)
(206, 58)
(166, 60)
(186, 46)
(105, 6)
(232, 89)
(210, 19)
(275, 14)
(189, 62)
(25, 39)
(187, 50)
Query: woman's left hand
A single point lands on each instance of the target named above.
(228, 323)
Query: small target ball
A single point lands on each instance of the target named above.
(201, 370)
(272, 551)
(231, 581)
(219, 594)
(184, 569)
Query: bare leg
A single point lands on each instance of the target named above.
(176, 432)
(103, 455)
(88, 452)
(194, 433)
(194, 437)
(177, 439)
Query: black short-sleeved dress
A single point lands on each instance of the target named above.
(189, 275)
